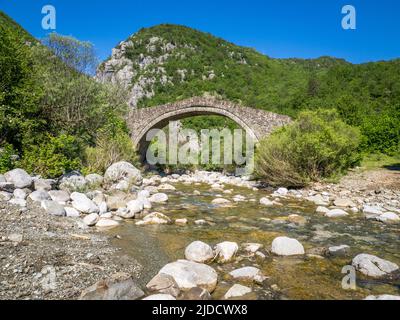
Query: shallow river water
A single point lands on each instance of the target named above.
(306, 277)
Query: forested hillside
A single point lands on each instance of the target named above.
(54, 118)
(169, 62)
(57, 118)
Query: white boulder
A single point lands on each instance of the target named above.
(39, 196)
(225, 251)
(248, 273)
(154, 218)
(91, 219)
(19, 178)
(336, 213)
(83, 204)
(373, 266)
(123, 171)
(189, 274)
(158, 198)
(53, 208)
(199, 251)
(284, 246)
(237, 290)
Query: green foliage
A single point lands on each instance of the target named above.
(53, 157)
(7, 154)
(362, 94)
(19, 92)
(111, 147)
(317, 145)
(46, 98)
(382, 134)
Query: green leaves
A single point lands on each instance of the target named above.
(317, 145)
(53, 156)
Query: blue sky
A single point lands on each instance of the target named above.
(278, 28)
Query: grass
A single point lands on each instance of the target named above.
(381, 161)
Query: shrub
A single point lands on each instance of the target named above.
(110, 148)
(317, 145)
(52, 157)
(7, 157)
(382, 134)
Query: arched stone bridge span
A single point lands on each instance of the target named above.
(258, 123)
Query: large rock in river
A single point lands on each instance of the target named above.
(373, 266)
(225, 251)
(284, 246)
(19, 178)
(164, 283)
(123, 171)
(248, 273)
(199, 251)
(189, 274)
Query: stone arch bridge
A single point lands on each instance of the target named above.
(258, 123)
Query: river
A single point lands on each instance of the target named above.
(300, 277)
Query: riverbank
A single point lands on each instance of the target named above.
(34, 244)
(45, 256)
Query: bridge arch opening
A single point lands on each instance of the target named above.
(160, 122)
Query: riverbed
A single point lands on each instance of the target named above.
(312, 276)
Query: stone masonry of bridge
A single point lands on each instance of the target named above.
(258, 123)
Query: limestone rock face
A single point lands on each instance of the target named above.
(189, 274)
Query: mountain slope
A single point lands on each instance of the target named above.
(170, 62)
(166, 63)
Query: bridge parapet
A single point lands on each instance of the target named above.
(258, 122)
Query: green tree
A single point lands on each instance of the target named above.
(20, 93)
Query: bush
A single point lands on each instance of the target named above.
(382, 134)
(110, 148)
(53, 157)
(317, 145)
(7, 157)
